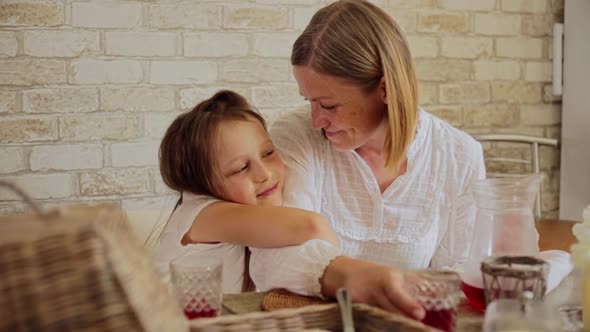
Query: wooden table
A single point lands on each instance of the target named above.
(555, 234)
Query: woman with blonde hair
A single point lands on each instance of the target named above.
(389, 176)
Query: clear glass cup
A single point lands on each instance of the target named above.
(197, 281)
(439, 292)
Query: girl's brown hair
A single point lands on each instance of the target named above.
(187, 162)
(357, 41)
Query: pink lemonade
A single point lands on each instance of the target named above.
(191, 314)
(475, 296)
(443, 319)
(199, 309)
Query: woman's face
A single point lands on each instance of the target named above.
(252, 172)
(348, 117)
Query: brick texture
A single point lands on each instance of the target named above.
(113, 182)
(30, 72)
(137, 99)
(255, 17)
(106, 14)
(88, 87)
(66, 157)
(46, 13)
(7, 102)
(95, 127)
(63, 100)
(8, 43)
(55, 43)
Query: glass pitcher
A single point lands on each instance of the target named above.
(504, 225)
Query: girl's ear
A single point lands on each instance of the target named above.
(383, 90)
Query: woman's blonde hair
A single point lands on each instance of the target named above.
(357, 41)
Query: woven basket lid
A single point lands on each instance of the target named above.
(80, 268)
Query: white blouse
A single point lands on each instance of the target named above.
(170, 247)
(423, 218)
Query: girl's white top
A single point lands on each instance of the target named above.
(170, 247)
(423, 218)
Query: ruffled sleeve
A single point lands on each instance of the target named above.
(297, 268)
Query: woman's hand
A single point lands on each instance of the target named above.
(370, 283)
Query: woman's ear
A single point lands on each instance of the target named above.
(383, 90)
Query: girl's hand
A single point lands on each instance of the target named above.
(374, 284)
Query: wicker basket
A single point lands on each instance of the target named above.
(79, 269)
(323, 317)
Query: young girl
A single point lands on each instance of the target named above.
(221, 159)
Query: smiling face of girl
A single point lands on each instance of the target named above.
(251, 171)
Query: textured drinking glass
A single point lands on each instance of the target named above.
(506, 277)
(197, 281)
(439, 293)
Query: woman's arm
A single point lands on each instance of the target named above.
(258, 226)
(318, 268)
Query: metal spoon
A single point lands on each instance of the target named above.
(345, 304)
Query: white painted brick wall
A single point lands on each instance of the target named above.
(423, 46)
(525, 6)
(183, 72)
(185, 16)
(61, 100)
(486, 70)
(480, 5)
(466, 47)
(99, 127)
(522, 48)
(538, 71)
(141, 43)
(215, 44)
(41, 186)
(254, 17)
(106, 14)
(88, 87)
(66, 157)
(497, 24)
(27, 129)
(134, 154)
(25, 13)
(276, 95)
(137, 99)
(57, 43)
(29, 72)
(540, 115)
(7, 102)
(255, 70)
(156, 123)
(8, 44)
(105, 71)
(273, 44)
(12, 159)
